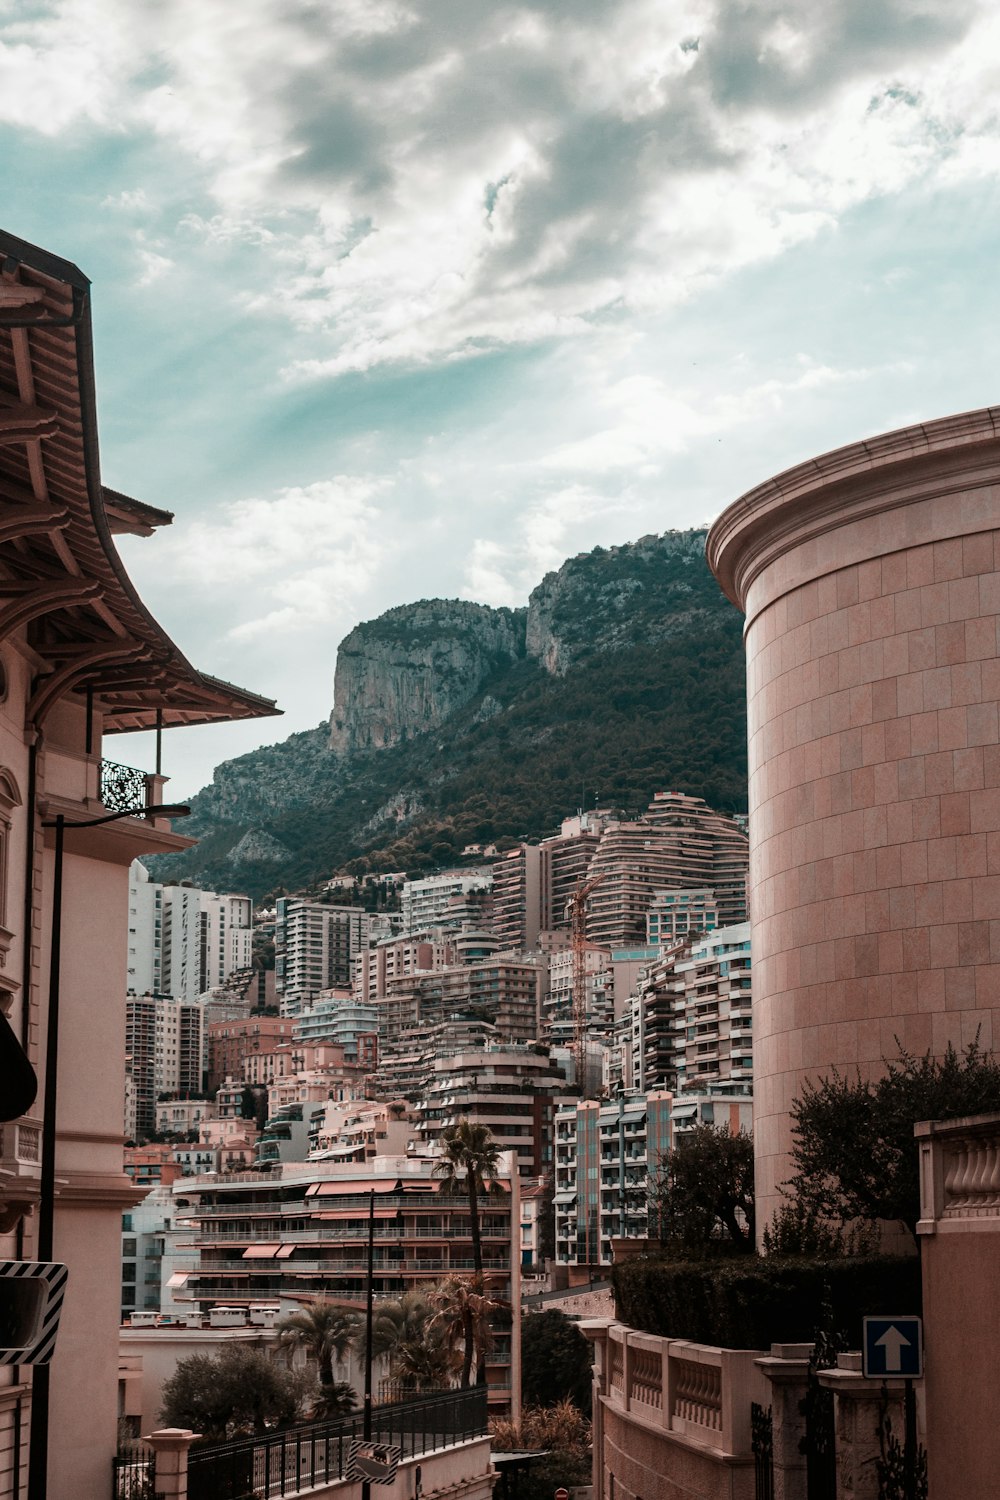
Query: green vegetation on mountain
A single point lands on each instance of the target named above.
(631, 682)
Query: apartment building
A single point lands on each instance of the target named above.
(230, 1043)
(144, 1240)
(504, 991)
(679, 843)
(691, 1018)
(315, 949)
(607, 1157)
(302, 1229)
(339, 1018)
(558, 1026)
(676, 915)
(564, 864)
(517, 897)
(164, 1048)
(448, 899)
(704, 838)
(512, 1090)
(183, 941)
(358, 1130)
(398, 956)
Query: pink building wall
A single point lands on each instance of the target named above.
(870, 578)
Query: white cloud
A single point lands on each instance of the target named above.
(430, 181)
(298, 560)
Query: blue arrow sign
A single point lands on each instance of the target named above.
(893, 1346)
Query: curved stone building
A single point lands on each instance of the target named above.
(870, 579)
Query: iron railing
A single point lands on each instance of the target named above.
(133, 1473)
(123, 787)
(303, 1458)
(762, 1443)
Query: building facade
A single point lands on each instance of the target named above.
(315, 948)
(870, 579)
(80, 660)
(608, 1159)
(184, 941)
(302, 1231)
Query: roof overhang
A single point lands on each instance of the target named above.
(63, 588)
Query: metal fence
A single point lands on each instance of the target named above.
(302, 1458)
(133, 1473)
(762, 1442)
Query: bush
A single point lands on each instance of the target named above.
(561, 1434)
(751, 1304)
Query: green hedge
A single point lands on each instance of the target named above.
(753, 1302)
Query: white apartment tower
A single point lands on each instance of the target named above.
(183, 941)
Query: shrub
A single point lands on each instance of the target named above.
(561, 1433)
(753, 1303)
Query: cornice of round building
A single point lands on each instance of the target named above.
(868, 482)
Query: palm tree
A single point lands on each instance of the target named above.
(470, 1163)
(399, 1321)
(324, 1330)
(419, 1356)
(463, 1310)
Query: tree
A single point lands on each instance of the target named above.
(324, 1330)
(555, 1361)
(240, 1391)
(470, 1163)
(852, 1142)
(462, 1313)
(705, 1189)
(418, 1354)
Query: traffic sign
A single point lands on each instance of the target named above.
(893, 1346)
(374, 1462)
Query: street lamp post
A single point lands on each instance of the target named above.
(39, 1442)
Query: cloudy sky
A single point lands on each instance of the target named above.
(401, 298)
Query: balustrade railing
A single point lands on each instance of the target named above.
(696, 1392)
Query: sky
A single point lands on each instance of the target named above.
(400, 300)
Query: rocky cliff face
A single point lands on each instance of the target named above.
(626, 674)
(410, 669)
(603, 600)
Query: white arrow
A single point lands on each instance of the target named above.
(892, 1341)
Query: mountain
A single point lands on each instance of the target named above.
(456, 723)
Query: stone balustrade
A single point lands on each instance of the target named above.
(700, 1395)
(959, 1173)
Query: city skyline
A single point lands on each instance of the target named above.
(392, 304)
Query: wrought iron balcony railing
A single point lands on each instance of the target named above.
(123, 787)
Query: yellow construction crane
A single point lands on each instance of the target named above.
(578, 927)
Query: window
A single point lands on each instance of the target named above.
(128, 1273)
(128, 1247)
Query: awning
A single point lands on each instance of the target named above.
(360, 1214)
(684, 1112)
(284, 1251)
(421, 1187)
(566, 1197)
(178, 1278)
(260, 1252)
(327, 1189)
